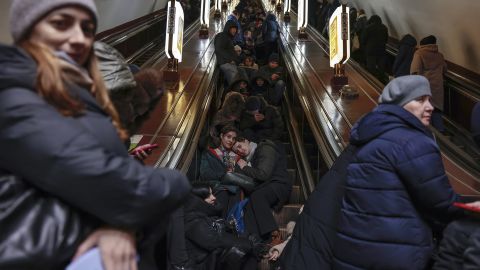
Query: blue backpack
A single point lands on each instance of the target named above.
(235, 216)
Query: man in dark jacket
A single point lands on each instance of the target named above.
(227, 58)
(373, 41)
(266, 163)
(260, 121)
(274, 72)
(235, 16)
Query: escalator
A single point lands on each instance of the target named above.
(457, 142)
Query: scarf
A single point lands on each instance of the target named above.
(74, 73)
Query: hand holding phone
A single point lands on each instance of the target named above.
(141, 152)
(474, 206)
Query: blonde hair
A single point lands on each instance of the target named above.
(50, 85)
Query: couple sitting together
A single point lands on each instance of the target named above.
(263, 165)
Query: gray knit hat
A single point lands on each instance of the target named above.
(404, 89)
(25, 13)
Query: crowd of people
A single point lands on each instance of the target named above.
(247, 55)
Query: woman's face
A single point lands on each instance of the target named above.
(211, 198)
(68, 29)
(421, 108)
(228, 139)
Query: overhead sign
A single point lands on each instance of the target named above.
(174, 40)
(339, 34)
(205, 12)
(302, 14)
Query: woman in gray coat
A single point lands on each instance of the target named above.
(67, 182)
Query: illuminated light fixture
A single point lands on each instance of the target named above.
(174, 39)
(218, 7)
(205, 13)
(302, 19)
(339, 34)
(287, 5)
(204, 19)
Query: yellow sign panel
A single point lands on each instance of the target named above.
(333, 39)
(180, 36)
(339, 30)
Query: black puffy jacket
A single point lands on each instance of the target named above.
(78, 165)
(204, 236)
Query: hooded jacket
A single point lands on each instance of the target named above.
(223, 43)
(271, 127)
(429, 62)
(395, 187)
(78, 161)
(403, 60)
(270, 28)
(238, 38)
(203, 234)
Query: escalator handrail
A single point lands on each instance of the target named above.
(118, 37)
(301, 158)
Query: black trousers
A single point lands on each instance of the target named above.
(258, 212)
(227, 200)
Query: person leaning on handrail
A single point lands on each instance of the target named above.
(67, 182)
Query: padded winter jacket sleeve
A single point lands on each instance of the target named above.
(420, 167)
(58, 155)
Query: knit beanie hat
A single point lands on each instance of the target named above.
(428, 40)
(274, 57)
(26, 13)
(404, 89)
(252, 104)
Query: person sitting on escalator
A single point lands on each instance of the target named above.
(209, 243)
(229, 114)
(275, 74)
(266, 163)
(216, 162)
(260, 121)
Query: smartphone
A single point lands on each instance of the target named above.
(145, 147)
(467, 207)
(91, 260)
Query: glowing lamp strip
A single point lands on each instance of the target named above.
(302, 14)
(205, 12)
(174, 36)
